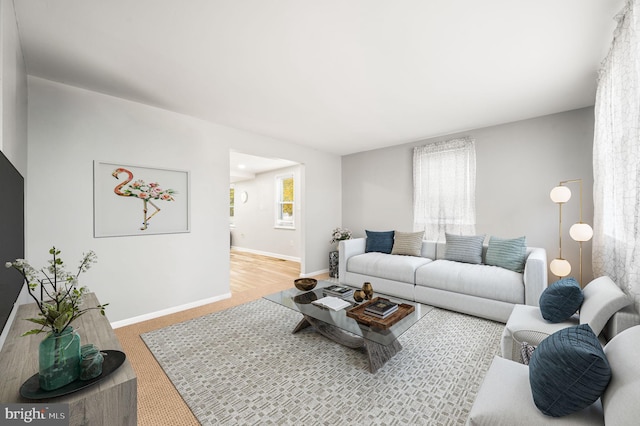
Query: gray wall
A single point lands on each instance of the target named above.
(517, 166)
(13, 108)
(13, 77)
(139, 276)
(254, 220)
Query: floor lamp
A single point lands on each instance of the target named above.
(579, 232)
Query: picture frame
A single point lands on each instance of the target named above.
(132, 200)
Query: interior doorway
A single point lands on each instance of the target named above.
(259, 242)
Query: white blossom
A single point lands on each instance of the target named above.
(340, 234)
(60, 297)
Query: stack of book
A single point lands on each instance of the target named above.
(381, 308)
(338, 291)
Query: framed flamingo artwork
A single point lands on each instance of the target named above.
(139, 200)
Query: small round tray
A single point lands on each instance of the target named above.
(31, 388)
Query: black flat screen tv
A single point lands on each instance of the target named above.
(11, 235)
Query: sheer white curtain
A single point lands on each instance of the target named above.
(616, 158)
(444, 188)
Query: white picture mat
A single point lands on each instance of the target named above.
(116, 215)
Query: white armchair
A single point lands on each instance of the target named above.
(505, 396)
(602, 298)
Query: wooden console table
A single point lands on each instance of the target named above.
(112, 401)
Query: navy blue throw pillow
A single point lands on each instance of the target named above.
(568, 371)
(561, 300)
(379, 241)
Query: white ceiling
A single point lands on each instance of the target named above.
(342, 76)
(246, 167)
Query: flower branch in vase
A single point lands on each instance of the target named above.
(59, 304)
(60, 296)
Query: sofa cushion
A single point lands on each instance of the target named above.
(407, 243)
(464, 248)
(602, 299)
(485, 281)
(507, 253)
(568, 371)
(561, 300)
(620, 400)
(388, 266)
(381, 241)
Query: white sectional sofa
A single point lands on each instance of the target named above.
(476, 289)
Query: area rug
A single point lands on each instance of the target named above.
(244, 366)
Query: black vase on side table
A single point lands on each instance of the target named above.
(334, 256)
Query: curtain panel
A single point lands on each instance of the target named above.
(616, 158)
(444, 186)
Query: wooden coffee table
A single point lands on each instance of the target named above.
(380, 344)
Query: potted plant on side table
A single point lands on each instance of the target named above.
(340, 234)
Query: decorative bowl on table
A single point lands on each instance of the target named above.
(305, 298)
(305, 284)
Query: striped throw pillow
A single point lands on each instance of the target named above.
(407, 243)
(508, 254)
(464, 248)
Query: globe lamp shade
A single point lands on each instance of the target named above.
(581, 232)
(560, 194)
(560, 267)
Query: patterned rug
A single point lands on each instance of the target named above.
(243, 366)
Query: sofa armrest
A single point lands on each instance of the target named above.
(347, 249)
(535, 276)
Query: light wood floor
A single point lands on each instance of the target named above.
(252, 276)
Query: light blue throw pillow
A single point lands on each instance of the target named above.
(464, 248)
(508, 254)
(379, 241)
(568, 371)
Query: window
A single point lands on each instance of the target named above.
(232, 199)
(444, 185)
(284, 201)
(616, 154)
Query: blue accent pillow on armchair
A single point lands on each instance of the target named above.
(380, 241)
(568, 371)
(561, 300)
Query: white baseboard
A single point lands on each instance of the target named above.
(313, 274)
(168, 311)
(7, 326)
(266, 253)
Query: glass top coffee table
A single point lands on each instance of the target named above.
(379, 344)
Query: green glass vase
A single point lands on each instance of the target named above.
(59, 359)
(91, 362)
